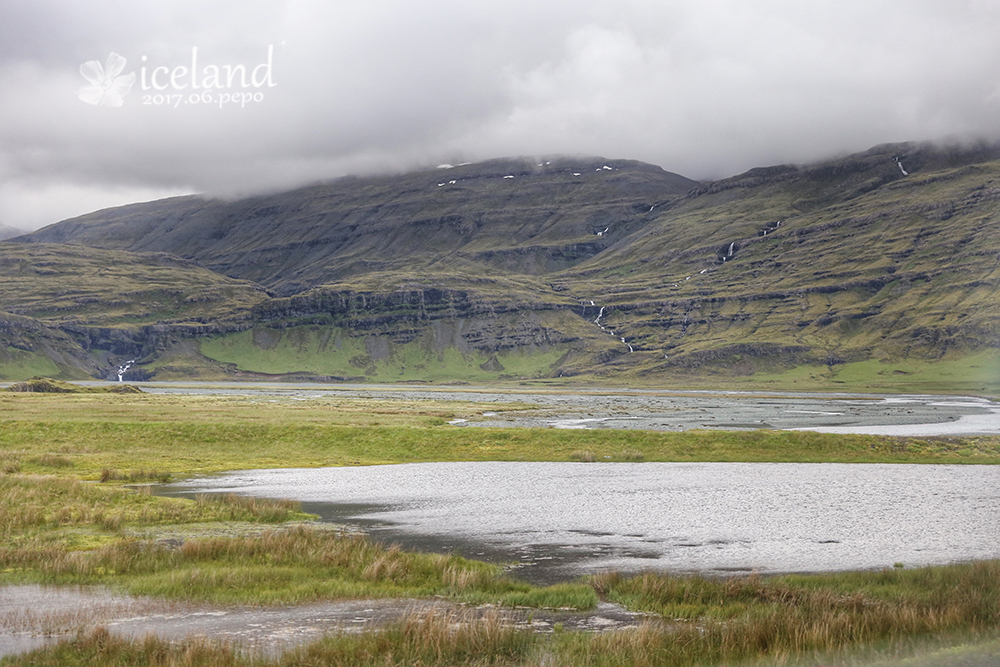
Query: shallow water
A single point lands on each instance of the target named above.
(558, 520)
(33, 616)
(652, 409)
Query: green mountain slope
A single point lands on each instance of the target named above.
(830, 264)
(73, 311)
(878, 270)
(505, 216)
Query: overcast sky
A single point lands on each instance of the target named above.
(706, 89)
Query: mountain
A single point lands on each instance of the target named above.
(877, 270)
(7, 232)
(69, 310)
(506, 216)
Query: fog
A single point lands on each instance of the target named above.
(704, 89)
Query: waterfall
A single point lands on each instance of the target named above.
(731, 247)
(124, 368)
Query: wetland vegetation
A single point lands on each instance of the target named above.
(73, 468)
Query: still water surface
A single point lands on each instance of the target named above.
(559, 520)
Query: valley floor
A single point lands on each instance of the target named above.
(72, 512)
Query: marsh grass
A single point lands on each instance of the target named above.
(431, 638)
(60, 529)
(52, 461)
(584, 455)
(239, 508)
(746, 620)
(145, 432)
(37, 509)
(132, 476)
(723, 620)
(10, 463)
(283, 566)
(424, 639)
(100, 647)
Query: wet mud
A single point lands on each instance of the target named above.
(32, 616)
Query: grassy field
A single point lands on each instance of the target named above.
(972, 374)
(326, 350)
(91, 433)
(72, 510)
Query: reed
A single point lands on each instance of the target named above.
(32, 505)
(112, 475)
(747, 619)
(722, 620)
(432, 638)
(284, 566)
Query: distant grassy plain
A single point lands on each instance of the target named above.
(203, 434)
(60, 524)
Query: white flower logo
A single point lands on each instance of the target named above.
(107, 88)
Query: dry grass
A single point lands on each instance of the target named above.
(111, 475)
(37, 511)
(750, 617)
(10, 463)
(52, 461)
(282, 566)
(241, 507)
(431, 638)
(744, 619)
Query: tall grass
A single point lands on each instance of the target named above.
(427, 639)
(432, 638)
(101, 648)
(282, 566)
(745, 619)
(734, 619)
(239, 508)
(33, 503)
(112, 475)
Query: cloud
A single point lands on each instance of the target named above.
(705, 89)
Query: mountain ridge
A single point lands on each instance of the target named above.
(887, 256)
